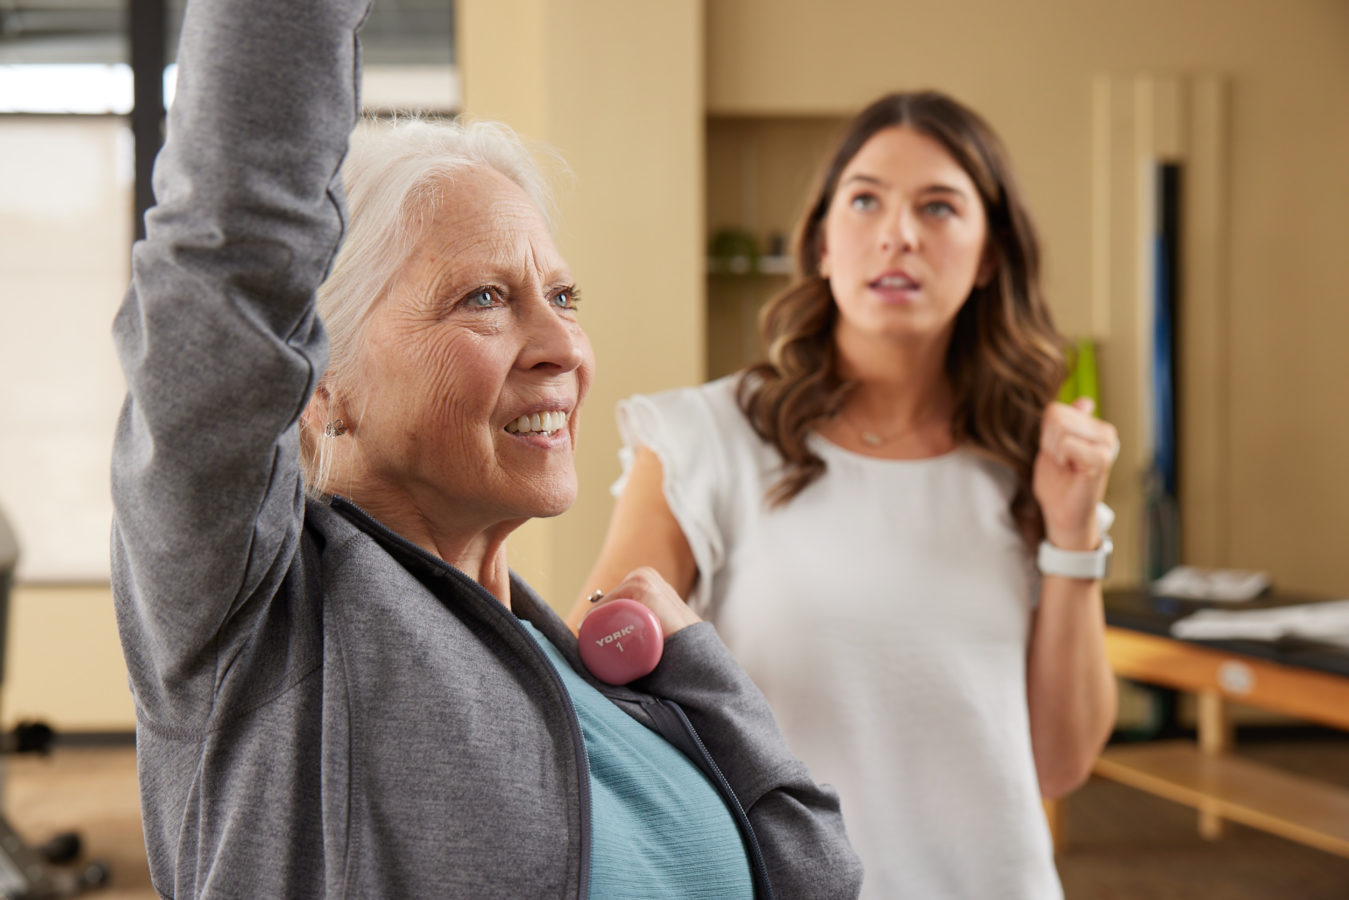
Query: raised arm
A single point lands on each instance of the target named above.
(217, 335)
(1070, 686)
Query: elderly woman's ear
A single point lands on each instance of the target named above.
(321, 420)
(323, 414)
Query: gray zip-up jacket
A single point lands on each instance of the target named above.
(323, 709)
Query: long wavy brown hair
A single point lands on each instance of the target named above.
(1005, 361)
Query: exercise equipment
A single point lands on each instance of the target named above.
(34, 873)
(620, 641)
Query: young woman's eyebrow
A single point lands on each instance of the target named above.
(943, 189)
(937, 188)
(866, 179)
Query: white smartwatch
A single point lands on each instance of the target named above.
(1075, 563)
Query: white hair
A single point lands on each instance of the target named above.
(393, 175)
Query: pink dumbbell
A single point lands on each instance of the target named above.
(621, 641)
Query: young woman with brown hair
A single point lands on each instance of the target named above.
(863, 513)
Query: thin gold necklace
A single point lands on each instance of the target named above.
(872, 438)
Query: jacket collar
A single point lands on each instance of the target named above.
(525, 603)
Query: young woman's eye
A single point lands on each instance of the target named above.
(864, 202)
(567, 298)
(939, 209)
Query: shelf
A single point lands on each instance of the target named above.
(1300, 809)
(741, 265)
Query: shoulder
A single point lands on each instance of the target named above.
(682, 415)
(714, 398)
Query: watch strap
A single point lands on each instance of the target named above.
(1093, 564)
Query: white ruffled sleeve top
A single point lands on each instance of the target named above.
(885, 612)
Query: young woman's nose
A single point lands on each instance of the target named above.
(899, 232)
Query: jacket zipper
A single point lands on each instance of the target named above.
(578, 739)
(665, 710)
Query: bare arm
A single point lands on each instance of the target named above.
(1070, 687)
(642, 532)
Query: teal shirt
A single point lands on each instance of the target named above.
(659, 828)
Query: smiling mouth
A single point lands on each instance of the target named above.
(545, 423)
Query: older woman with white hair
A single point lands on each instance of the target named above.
(341, 689)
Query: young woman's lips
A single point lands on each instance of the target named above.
(898, 286)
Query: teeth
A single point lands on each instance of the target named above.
(894, 281)
(547, 423)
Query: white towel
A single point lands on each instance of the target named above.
(1326, 622)
(1228, 585)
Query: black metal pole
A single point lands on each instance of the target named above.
(149, 46)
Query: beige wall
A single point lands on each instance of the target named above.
(63, 663)
(1030, 70)
(1271, 352)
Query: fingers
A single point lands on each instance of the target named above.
(1081, 455)
(1069, 434)
(641, 584)
(1071, 473)
(647, 587)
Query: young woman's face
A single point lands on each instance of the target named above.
(903, 239)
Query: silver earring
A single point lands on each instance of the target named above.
(335, 428)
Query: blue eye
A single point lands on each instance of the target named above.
(484, 298)
(567, 298)
(939, 208)
(864, 202)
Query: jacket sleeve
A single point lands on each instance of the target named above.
(797, 822)
(218, 337)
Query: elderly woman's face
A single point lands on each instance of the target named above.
(475, 365)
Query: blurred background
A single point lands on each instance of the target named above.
(1185, 161)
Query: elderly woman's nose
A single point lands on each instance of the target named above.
(553, 339)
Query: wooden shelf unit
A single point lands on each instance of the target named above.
(759, 169)
(1292, 806)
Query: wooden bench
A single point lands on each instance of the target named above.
(1209, 774)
